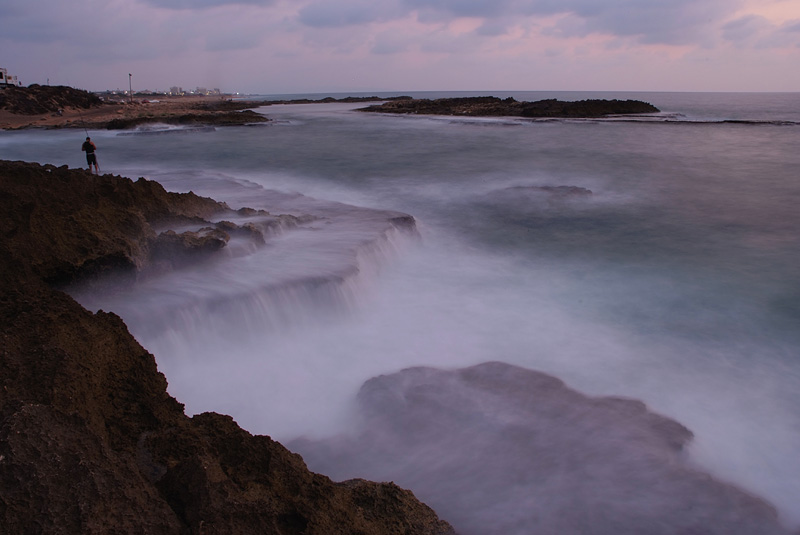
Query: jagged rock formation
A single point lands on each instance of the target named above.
(90, 440)
(500, 449)
(36, 99)
(509, 107)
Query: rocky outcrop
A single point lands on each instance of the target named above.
(210, 118)
(509, 107)
(36, 99)
(328, 100)
(66, 107)
(90, 440)
(500, 449)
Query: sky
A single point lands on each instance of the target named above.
(318, 46)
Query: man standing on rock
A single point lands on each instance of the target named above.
(89, 147)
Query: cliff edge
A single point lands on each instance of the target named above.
(90, 440)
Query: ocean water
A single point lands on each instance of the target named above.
(669, 271)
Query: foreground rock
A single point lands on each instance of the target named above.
(90, 440)
(499, 449)
(509, 107)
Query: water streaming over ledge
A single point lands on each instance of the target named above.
(675, 281)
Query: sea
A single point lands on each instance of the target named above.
(652, 257)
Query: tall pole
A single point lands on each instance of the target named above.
(130, 88)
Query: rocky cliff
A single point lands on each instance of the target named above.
(90, 440)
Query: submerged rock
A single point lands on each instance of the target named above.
(499, 449)
(90, 440)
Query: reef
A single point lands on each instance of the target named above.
(509, 107)
(90, 440)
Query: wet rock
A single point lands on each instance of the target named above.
(190, 247)
(499, 449)
(90, 440)
(509, 107)
(211, 118)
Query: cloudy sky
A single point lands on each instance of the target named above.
(288, 46)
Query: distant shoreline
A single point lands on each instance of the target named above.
(164, 109)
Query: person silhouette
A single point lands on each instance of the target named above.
(91, 158)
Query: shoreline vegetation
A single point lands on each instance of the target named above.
(52, 107)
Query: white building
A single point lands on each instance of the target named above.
(6, 79)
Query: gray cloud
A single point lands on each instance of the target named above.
(745, 28)
(463, 8)
(204, 4)
(494, 28)
(793, 26)
(758, 32)
(648, 21)
(232, 41)
(390, 43)
(654, 21)
(324, 14)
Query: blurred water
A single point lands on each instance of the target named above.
(675, 281)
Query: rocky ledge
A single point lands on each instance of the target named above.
(90, 440)
(499, 449)
(212, 113)
(509, 107)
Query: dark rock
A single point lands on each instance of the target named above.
(248, 230)
(332, 99)
(66, 225)
(251, 212)
(212, 118)
(36, 99)
(495, 107)
(499, 449)
(188, 247)
(90, 440)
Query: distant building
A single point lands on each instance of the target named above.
(6, 79)
(206, 91)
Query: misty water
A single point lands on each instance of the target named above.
(675, 281)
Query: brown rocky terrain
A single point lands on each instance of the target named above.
(90, 440)
(509, 107)
(37, 99)
(65, 107)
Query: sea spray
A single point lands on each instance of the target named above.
(675, 282)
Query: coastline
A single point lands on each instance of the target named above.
(205, 108)
(90, 439)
